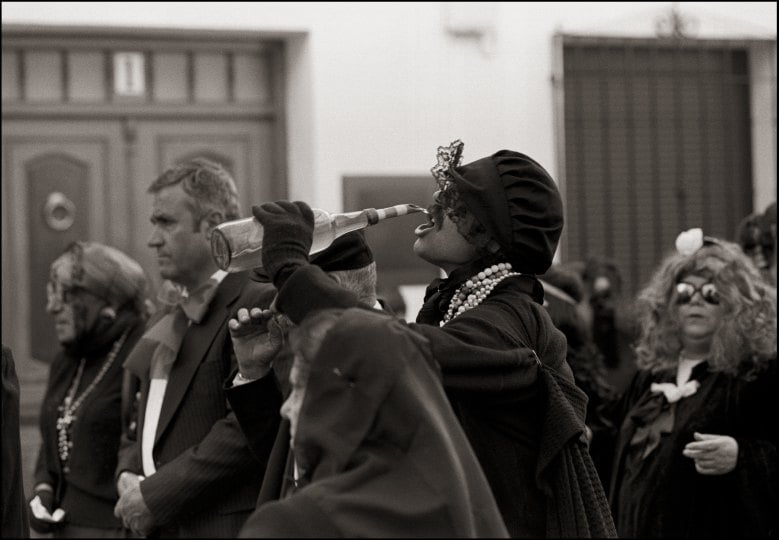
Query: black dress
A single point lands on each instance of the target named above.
(86, 490)
(662, 495)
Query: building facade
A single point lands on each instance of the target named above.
(652, 117)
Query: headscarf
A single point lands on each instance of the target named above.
(379, 445)
(110, 275)
(104, 271)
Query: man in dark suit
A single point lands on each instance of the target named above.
(189, 472)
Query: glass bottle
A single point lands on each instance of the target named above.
(237, 245)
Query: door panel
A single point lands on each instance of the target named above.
(658, 140)
(58, 198)
(245, 148)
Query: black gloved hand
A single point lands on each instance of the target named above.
(286, 241)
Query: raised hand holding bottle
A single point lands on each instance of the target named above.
(237, 245)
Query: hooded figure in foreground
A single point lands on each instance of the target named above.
(378, 449)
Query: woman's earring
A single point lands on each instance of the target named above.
(109, 313)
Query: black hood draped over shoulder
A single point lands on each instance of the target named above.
(379, 444)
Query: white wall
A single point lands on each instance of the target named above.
(374, 88)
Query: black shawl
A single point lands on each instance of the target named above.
(379, 445)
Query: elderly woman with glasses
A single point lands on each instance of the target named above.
(96, 298)
(696, 452)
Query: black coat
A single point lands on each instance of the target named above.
(88, 492)
(12, 503)
(250, 403)
(662, 495)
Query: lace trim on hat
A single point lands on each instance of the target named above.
(449, 200)
(477, 235)
(448, 157)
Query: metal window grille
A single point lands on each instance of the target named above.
(657, 140)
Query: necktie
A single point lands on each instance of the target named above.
(194, 303)
(159, 346)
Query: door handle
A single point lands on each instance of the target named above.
(59, 212)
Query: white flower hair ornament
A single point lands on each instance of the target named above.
(691, 240)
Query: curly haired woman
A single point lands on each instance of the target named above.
(696, 452)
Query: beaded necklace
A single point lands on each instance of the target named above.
(476, 289)
(69, 405)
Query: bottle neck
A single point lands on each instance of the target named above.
(397, 210)
(352, 221)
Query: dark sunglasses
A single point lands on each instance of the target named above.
(685, 292)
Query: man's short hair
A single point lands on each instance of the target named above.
(349, 260)
(209, 185)
(361, 281)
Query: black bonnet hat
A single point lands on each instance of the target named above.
(347, 252)
(518, 203)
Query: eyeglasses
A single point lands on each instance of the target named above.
(58, 294)
(55, 291)
(685, 292)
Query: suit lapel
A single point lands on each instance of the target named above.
(195, 347)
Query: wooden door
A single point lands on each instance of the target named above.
(244, 148)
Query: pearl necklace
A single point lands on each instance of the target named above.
(69, 406)
(476, 289)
